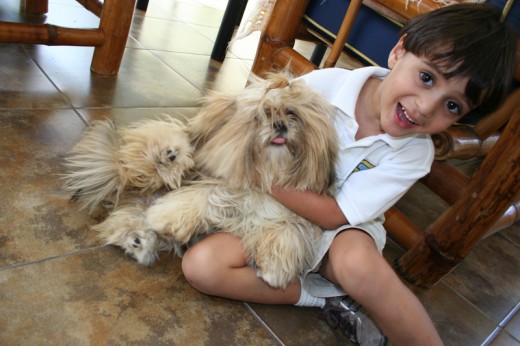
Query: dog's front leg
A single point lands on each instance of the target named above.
(282, 252)
(126, 228)
(181, 214)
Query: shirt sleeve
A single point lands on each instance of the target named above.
(368, 194)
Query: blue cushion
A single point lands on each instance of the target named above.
(372, 36)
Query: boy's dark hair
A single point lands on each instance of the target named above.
(467, 40)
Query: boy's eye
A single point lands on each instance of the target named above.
(453, 107)
(426, 78)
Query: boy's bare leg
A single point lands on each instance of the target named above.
(354, 263)
(217, 265)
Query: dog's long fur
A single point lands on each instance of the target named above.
(276, 132)
(144, 157)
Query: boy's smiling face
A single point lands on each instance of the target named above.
(417, 98)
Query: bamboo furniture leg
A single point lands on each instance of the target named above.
(115, 24)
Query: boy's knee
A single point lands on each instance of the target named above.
(197, 266)
(356, 266)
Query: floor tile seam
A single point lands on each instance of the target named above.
(40, 67)
(145, 15)
(263, 324)
(171, 68)
(509, 316)
(195, 27)
(467, 301)
(151, 52)
(41, 260)
(73, 109)
(176, 20)
(494, 334)
(500, 234)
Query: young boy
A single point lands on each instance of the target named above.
(448, 63)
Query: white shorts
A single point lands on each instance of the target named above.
(317, 285)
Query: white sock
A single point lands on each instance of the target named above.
(306, 299)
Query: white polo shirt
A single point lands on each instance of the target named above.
(374, 172)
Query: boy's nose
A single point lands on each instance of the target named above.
(426, 105)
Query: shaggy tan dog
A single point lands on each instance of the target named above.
(276, 132)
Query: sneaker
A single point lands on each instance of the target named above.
(346, 314)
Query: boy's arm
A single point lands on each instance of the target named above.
(322, 210)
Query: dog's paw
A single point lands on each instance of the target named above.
(143, 246)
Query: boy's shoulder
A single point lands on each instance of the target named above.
(341, 86)
(338, 78)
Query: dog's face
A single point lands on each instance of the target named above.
(155, 154)
(275, 132)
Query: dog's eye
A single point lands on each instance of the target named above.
(290, 113)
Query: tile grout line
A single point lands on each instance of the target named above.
(17, 265)
(69, 101)
(263, 324)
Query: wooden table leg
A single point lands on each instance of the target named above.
(115, 23)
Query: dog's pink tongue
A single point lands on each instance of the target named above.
(279, 140)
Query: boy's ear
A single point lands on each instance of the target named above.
(396, 53)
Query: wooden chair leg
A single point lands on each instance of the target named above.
(485, 200)
(344, 31)
(36, 6)
(115, 19)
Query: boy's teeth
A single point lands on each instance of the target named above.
(406, 115)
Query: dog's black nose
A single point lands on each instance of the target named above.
(280, 126)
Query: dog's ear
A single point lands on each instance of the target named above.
(216, 111)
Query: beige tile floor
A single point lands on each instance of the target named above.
(60, 286)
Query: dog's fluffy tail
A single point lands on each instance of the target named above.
(92, 166)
